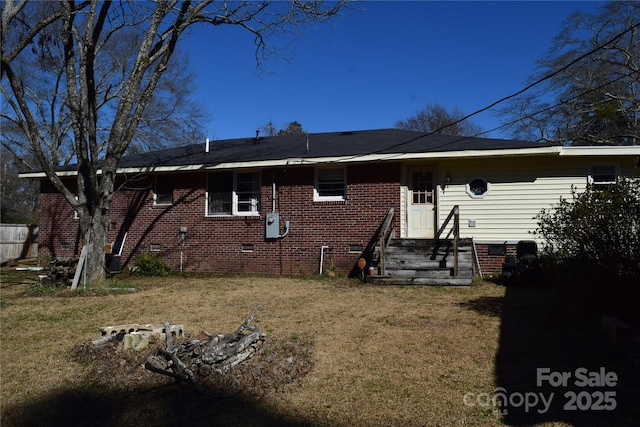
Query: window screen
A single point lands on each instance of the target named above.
(330, 183)
(248, 191)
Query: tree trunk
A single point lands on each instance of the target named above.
(95, 235)
(94, 216)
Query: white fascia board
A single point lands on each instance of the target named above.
(554, 150)
(511, 152)
(418, 156)
(453, 154)
(618, 150)
(159, 169)
(32, 175)
(44, 175)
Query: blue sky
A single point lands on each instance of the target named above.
(378, 64)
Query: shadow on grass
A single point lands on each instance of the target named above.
(113, 389)
(174, 405)
(487, 306)
(538, 331)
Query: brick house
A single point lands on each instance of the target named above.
(302, 203)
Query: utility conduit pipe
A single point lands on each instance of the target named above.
(273, 210)
(273, 195)
(322, 248)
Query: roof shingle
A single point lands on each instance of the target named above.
(317, 145)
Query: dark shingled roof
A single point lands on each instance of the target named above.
(330, 144)
(320, 145)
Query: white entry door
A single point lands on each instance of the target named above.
(421, 203)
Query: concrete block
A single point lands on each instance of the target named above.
(137, 336)
(136, 340)
(154, 328)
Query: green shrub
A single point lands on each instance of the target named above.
(599, 227)
(150, 265)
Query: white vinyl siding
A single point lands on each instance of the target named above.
(520, 188)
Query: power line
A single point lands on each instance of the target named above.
(513, 95)
(551, 107)
(543, 79)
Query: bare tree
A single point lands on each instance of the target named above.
(267, 129)
(81, 32)
(171, 117)
(292, 128)
(435, 118)
(589, 82)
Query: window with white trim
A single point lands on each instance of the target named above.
(602, 176)
(330, 184)
(163, 190)
(233, 193)
(478, 188)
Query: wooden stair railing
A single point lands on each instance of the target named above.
(386, 233)
(455, 229)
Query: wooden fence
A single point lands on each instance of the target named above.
(16, 241)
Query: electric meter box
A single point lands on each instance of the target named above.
(272, 226)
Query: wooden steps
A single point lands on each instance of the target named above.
(425, 262)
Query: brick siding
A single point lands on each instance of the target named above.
(491, 264)
(219, 244)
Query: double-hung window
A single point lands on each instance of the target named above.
(330, 184)
(233, 193)
(163, 190)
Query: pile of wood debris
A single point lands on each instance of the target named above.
(234, 360)
(210, 353)
(60, 272)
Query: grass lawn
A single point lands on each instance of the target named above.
(374, 356)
